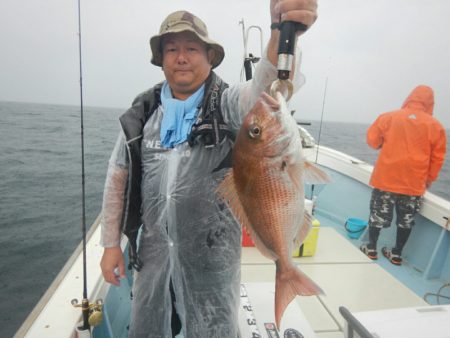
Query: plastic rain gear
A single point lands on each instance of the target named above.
(412, 145)
(188, 236)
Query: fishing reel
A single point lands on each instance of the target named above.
(94, 310)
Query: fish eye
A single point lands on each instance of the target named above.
(254, 131)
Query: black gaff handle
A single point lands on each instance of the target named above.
(286, 46)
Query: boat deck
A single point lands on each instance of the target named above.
(406, 274)
(347, 277)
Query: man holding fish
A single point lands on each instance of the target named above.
(172, 155)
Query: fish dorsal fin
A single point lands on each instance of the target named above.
(227, 190)
(304, 229)
(314, 175)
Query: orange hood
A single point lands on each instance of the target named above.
(421, 98)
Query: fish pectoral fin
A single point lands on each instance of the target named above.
(227, 191)
(304, 229)
(314, 175)
(293, 171)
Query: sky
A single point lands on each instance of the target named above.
(368, 54)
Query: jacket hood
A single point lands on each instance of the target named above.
(422, 98)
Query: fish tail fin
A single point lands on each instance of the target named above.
(290, 283)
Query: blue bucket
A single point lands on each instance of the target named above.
(355, 227)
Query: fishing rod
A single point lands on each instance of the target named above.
(91, 313)
(85, 301)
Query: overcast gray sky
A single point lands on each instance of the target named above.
(373, 52)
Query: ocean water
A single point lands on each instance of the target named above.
(40, 196)
(40, 190)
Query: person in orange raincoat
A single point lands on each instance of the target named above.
(412, 147)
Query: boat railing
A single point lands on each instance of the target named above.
(353, 325)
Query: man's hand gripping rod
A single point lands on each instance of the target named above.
(286, 49)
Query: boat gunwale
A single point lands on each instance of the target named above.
(57, 281)
(434, 208)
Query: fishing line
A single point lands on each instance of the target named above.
(85, 301)
(320, 130)
(321, 118)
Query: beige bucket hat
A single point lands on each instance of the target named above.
(184, 21)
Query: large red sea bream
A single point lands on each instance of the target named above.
(266, 194)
